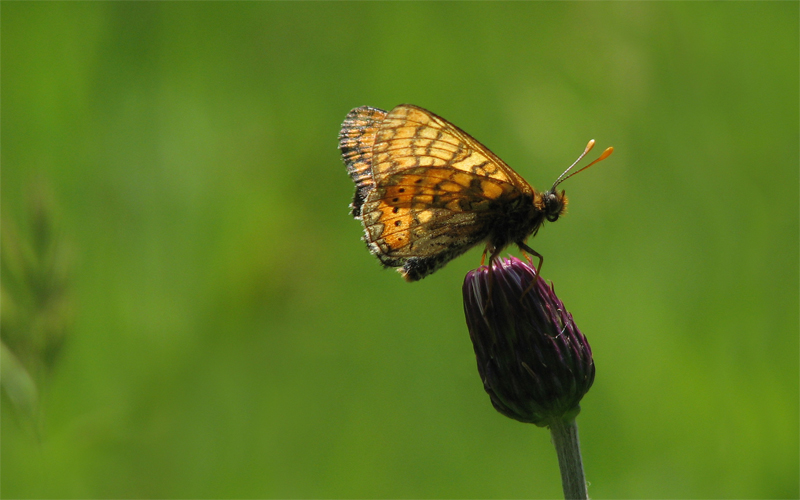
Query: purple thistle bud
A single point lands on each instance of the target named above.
(535, 363)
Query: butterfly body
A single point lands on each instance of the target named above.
(426, 191)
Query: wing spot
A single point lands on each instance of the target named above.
(395, 210)
(395, 200)
(397, 223)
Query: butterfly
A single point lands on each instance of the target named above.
(426, 191)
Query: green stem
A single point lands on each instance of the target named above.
(565, 438)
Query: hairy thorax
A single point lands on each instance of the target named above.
(515, 222)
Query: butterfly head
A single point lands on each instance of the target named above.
(554, 204)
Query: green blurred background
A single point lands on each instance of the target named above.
(188, 310)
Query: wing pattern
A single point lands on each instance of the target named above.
(355, 142)
(426, 191)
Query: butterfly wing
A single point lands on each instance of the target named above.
(410, 136)
(355, 142)
(420, 220)
(436, 192)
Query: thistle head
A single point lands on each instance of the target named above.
(534, 362)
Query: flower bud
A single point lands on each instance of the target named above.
(534, 362)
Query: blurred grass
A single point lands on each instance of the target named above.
(229, 335)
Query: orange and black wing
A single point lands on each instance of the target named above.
(434, 191)
(355, 142)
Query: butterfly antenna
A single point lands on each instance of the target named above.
(589, 146)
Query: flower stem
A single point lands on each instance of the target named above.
(565, 438)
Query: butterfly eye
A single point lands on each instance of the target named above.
(554, 205)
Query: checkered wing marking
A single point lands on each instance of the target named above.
(435, 190)
(356, 139)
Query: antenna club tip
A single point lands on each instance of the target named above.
(606, 153)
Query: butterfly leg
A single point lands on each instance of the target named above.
(493, 253)
(525, 248)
